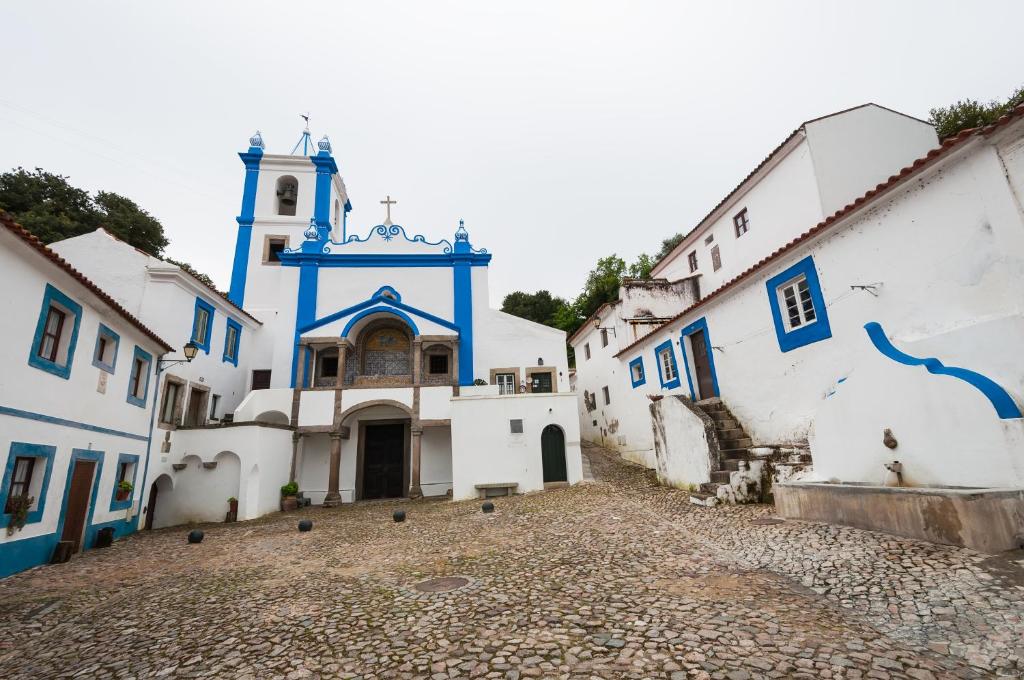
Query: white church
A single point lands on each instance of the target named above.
(359, 362)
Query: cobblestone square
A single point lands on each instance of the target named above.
(616, 578)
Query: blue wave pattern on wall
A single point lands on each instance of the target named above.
(1001, 400)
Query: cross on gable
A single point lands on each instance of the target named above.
(388, 203)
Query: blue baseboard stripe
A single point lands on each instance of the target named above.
(53, 420)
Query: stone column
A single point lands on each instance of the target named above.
(333, 498)
(342, 344)
(417, 361)
(414, 473)
(296, 460)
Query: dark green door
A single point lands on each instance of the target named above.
(552, 449)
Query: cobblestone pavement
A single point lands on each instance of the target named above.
(614, 579)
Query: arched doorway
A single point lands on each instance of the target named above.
(161, 484)
(552, 449)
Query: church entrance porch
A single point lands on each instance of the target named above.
(382, 467)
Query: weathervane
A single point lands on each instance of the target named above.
(306, 142)
(388, 203)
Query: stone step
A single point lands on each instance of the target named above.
(705, 499)
(726, 423)
(736, 454)
(721, 477)
(709, 487)
(738, 443)
(732, 464)
(730, 433)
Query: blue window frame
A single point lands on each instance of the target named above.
(202, 324)
(232, 341)
(700, 324)
(138, 380)
(130, 464)
(105, 355)
(637, 375)
(668, 370)
(41, 469)
(798, 307)
(53, 346)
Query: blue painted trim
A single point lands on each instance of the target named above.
(205, 344)
(325, 168)
(813, 332)
(378, 299)
(240, 264)
(110, 335)
(379, 310)
(149, 444)
(25, 553)
(39, 451)
(389, 232)
(148, 358)
(671, 384)
(388, 289)
(368, 260)
(127, 503)
(51, 294)
(639, 361)
(76, 455)
(238, 341)
(1006, 408)
(700, 324)
(305, 308)
(463, 293)
(52, 420)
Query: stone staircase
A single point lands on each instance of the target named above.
(734, 447)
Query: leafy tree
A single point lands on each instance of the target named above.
(602, 284)
(50, 208)
(970, 113)
(668, 245)
(540, 306)
(641, 269)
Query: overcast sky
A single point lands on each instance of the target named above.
(560, 131)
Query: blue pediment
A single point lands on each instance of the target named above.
(387, 300)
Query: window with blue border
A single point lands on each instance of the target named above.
(123, 493)
(53, 346)
(668, 371)
(636, 372)
(202, 324)
(105, 355)
(138, 380)
(798, 307)
(232, 341)
(27, 473)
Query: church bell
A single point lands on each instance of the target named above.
(287, 194)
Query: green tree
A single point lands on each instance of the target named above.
(541, 306)
(970, 113)
(602, 284)
(123, 218)
(46, 205)
(641, 269)
(668, 245)
(191, 270)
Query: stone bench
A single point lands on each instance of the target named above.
(496, 489)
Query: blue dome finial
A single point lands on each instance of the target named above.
(256, 140)
(461, 234)
(312, 233)
(324, 144)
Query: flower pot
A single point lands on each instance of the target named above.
(122, 494)
(289, 503)
(233, 507)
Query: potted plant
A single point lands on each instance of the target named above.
(17, 507)
(288, 500)
(232, 509)
(124, 490)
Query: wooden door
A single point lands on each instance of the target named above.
(384, 461)
(702, 366)
(151, 507)
(196, 408)
(541, 382)
(77, 509)
(261, 380)
(552, 451)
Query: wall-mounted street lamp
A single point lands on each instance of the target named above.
(597, 326)
(190, 350)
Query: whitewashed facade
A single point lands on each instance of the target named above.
(888, 332)
(76, 395)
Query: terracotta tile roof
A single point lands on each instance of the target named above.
(33, 242)
(763, 163)
(918, 166)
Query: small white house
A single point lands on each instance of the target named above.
(76, 402)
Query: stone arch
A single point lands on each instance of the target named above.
(384, 347)
(160, 490)
(273, 418)
(375, 402)
(287, 190)
(227, 476)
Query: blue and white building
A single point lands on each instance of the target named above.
(359, 360)
(76, 402)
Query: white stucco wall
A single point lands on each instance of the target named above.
(484, 451)
(680, 466)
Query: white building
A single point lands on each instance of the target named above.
(366, 363)
(821, 166)
(888, 331)
(76, 396)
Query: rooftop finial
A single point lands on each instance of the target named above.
(388, 203)
(461, 234)
(256, 140)
(325, 144)
(306, 141)
(312, 233)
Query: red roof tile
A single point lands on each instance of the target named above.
(60, 262)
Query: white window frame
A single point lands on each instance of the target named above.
(806, 313)
(506, 383)
(668, 367)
